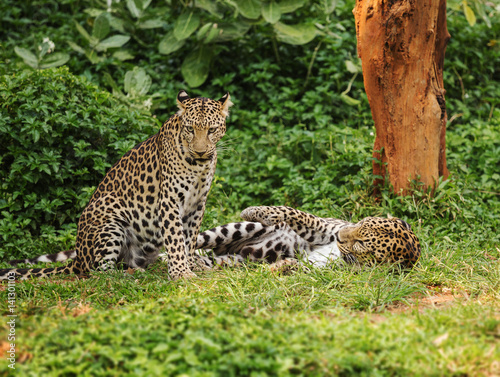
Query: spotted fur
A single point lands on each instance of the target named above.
(284, 235)
(371, 240)
(153, 197)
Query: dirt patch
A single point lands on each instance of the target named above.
(445, 298)
(440, 300)
(74, 311)
(20, 355)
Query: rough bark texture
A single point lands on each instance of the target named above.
(402, 45)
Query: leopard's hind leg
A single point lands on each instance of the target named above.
(114, 244)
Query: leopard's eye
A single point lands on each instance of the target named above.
(212, 130)
(189, 129)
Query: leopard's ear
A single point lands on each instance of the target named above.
(181, 97)
(226, 104)
(402, 222)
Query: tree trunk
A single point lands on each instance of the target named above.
(402, 44)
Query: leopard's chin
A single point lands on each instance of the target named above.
(198, 161)
(202, 159)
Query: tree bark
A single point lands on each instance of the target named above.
(402, 44)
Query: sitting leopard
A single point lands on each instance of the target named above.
(280, 235)
(152, 198)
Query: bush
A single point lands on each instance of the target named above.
(58, 136)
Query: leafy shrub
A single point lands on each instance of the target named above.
(58, 136)
(207, 23)
(470, 74)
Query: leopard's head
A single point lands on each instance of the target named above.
(377, 239)
(203, 123)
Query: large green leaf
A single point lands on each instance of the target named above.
(54, 60)
(151, 24)
(196, 66)
(84, 34)
(75, 47)
(28, 57)
(112, 42)
(135, 8)
(295, 35)
(208, 32)
(229, 32)
(137, 82)
(288, 6)
(186, 24)
(202, 31)
(271, 12)
(118, 24)
(101, 27)
(169, 44)
(210, 6)
(469, 14)
(213, 33)
(248, 8)
(123, 55)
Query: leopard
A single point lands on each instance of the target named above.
(283, 236)
(152, 199)
(370, 241)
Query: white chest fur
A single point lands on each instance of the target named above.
(324, 254)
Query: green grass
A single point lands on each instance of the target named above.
(441, 318)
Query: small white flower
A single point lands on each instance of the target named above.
(371, 133)
(148, 103)
(51, 44)
(466, 95)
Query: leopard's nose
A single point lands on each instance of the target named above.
(199, 154)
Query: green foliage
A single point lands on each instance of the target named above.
(473, 8)
(198, 30)
(58, 136)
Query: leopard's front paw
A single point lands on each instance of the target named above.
(289, 266)
(186, 274)
(262, 214)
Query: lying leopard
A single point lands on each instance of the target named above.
(152, 198)
(284, 235)
(370, 241)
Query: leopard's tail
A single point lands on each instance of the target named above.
(26, 273)
(47, 258)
